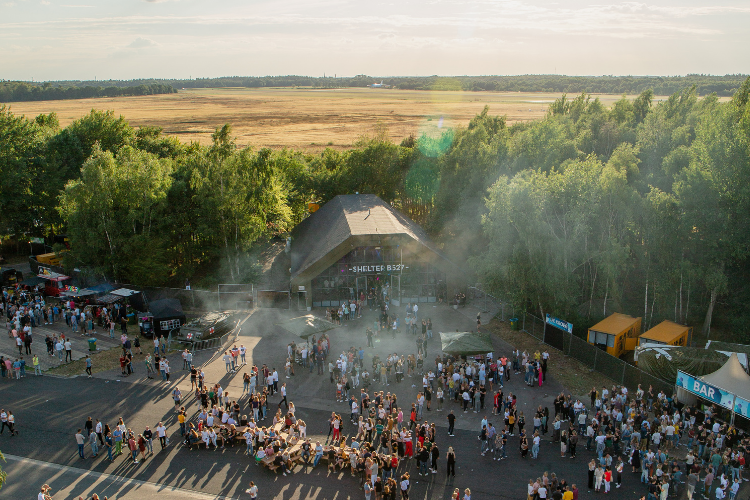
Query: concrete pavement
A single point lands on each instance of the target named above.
(49, 411)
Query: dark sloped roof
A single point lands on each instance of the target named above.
(466, 343)
(101, 288)
(166, 308)
(346, 216)
(307, 325)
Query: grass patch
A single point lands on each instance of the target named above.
(101, 361)
(575, 377)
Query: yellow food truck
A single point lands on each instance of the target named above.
(616, 334)
(667, 333)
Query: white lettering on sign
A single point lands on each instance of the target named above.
(378, 268)
(708, 392)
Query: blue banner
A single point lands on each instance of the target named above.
(558, 323)
(704, 390)
(741, 407)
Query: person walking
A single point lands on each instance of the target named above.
(161, 431)
(451, 460)
(88, 366)
(283, 396)
(68, 350)
(37, 366)
(405, 486)
(252, 491)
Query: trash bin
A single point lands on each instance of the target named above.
(92, 345)
(514, 323)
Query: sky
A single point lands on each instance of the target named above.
(128, 39)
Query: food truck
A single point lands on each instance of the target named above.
(56, 283)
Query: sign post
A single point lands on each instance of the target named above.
(554, 336)
(559, 324)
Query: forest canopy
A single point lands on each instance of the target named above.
(723, 86)
(641, 207)
(24, 91)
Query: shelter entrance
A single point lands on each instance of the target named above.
(361, 285)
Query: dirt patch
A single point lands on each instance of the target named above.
(575, 377)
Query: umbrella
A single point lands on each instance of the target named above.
(466, 343)
(307, 325)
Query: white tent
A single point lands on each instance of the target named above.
(731, 377)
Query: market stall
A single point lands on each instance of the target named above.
(727, 387)
(167, 315)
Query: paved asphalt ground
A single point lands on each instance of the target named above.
(49, 410)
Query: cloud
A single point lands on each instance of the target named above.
(140, 43)
(45, 2)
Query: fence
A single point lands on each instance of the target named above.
(591, 356)
(235, 296)
(487, 303)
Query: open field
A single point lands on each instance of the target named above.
(303, 119)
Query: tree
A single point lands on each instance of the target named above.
(3, 474)
(114, 215)
(24, 193)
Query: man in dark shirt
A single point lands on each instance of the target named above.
(279, 461)
(451, 422)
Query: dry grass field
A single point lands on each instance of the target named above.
(303, 119)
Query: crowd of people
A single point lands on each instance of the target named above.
(627, 431)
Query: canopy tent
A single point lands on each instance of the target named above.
(124, 292)
(166, 308)
(108, 299)
(466, 343)
(101, 288)
(167, 314)
(305, 326)
(731, 377)
(32, 281)
(77, 293)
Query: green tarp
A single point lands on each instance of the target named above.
(663, 361)
(307, 325)
(466, 343)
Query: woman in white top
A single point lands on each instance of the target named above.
(252, 491)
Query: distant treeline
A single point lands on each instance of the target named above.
(24, 91)
(725, 85)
